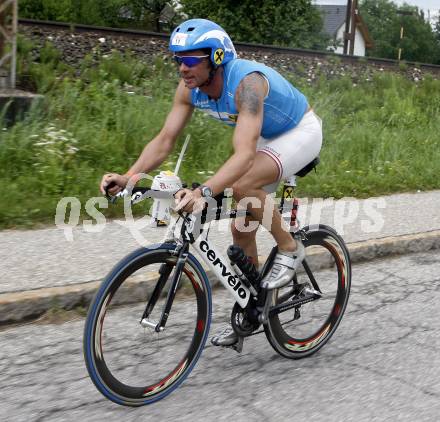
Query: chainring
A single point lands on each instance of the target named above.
(241, 323)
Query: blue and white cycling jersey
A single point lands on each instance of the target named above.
(284, 105)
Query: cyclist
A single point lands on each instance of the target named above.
(276, 134)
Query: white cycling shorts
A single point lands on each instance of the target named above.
(294, 149)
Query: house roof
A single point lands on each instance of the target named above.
(360, 23)
(334, 17)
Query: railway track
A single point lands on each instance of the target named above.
(261, 48)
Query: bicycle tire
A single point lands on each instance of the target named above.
(300, 335)
(114, 337)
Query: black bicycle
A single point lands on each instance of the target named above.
(148, 323)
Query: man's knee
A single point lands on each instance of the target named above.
(240, 190)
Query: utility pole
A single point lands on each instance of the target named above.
(350, 27)
(399, 54)
(347, 26)
(8, 43)
(402, 13)
(354, 12)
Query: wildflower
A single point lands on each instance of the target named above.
(72, 150)
(41, 144)
(101, 40)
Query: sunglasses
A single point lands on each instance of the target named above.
(189, 61)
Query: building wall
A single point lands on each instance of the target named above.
(359, 42)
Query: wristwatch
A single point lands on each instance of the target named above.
(206, 191)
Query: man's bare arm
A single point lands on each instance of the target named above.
(250, 103)
(158, 149)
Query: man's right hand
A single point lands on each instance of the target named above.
(116, 181)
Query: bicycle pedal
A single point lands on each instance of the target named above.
(237, 346)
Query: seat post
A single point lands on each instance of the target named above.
(290, 181)
(289, 203)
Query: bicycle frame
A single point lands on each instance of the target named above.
(214, 259)
(193, 233)
(219, 265)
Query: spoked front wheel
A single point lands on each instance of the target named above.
(306, 312)
(129, 361)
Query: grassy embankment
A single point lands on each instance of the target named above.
(381, 135)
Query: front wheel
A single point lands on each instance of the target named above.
(130, 362)
(299, 331)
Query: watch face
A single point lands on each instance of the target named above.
(206, 191)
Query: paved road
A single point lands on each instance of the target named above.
(33, 259)
(383, 364)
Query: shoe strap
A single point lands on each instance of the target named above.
(286, 261)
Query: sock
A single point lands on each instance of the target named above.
(287, 253)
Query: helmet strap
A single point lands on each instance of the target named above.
(212, 73)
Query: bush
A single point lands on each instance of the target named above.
(379, 134)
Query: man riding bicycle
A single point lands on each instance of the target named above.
(276, 134)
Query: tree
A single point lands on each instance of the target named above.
(384, 20)
(97, 12)
(56, 10)
(157, 15)
(294, 23)
(437, 28)
(89, 12)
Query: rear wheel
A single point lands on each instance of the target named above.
(323, 286)
(129, 362)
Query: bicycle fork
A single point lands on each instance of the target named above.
(165, 272)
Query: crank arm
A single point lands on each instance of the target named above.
(310, 296)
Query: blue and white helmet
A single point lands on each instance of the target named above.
(197, 34)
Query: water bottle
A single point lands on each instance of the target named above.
(165, 181)
(238, 257)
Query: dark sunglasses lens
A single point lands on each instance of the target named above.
(189, 61)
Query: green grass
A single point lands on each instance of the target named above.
(380, 135)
